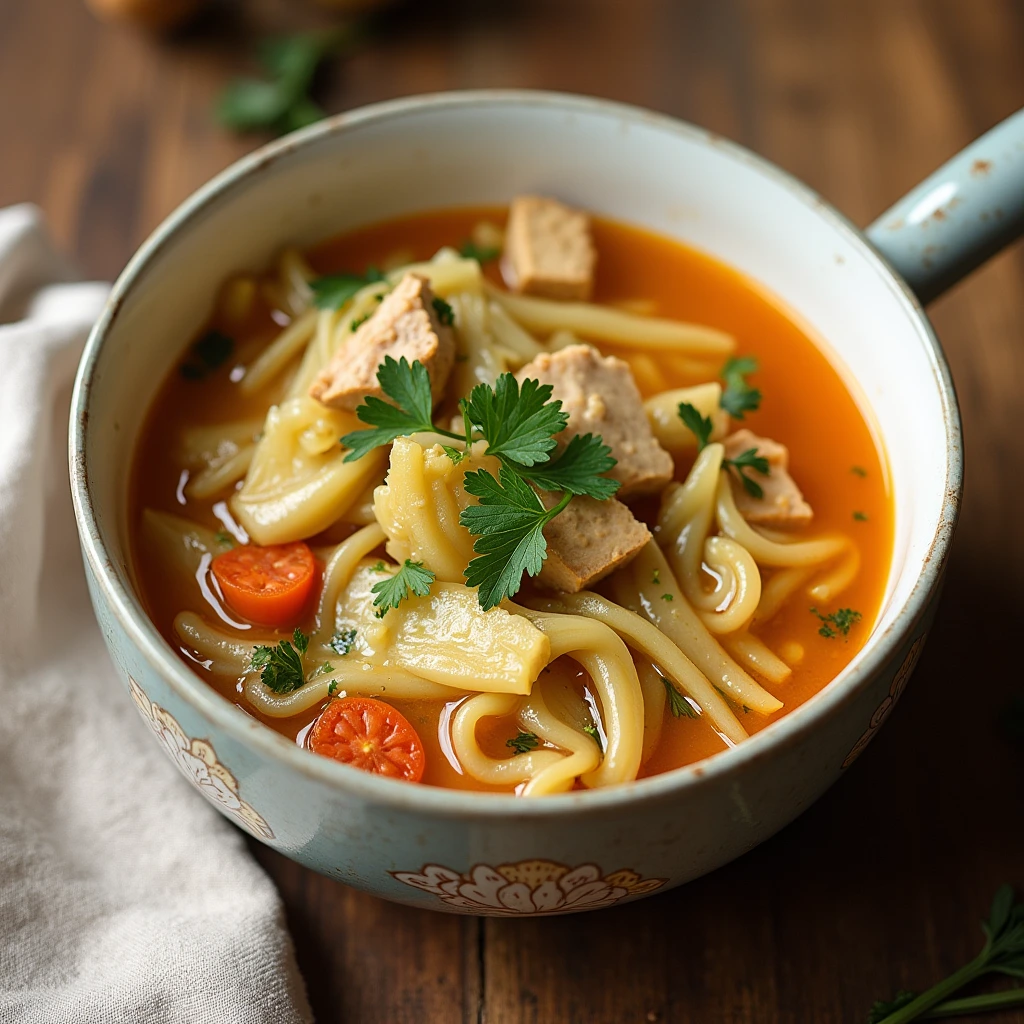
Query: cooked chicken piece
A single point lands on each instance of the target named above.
(587, 541)
(782, 503)
(548, 250)
(405, 324)
(601, 397)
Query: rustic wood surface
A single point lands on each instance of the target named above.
(881, 884)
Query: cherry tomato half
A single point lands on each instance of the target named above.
(269, 586)
(370, 735)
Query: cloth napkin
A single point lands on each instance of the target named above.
(123, 896)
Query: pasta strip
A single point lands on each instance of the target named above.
(604, 323)
(221, 475)
(652, 685)
(279, 353)
(755, 655)
(655, 645)
(337, 574)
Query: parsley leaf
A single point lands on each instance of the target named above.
(390, 593)
(860, 517)
(445, 313)
(836, 623)
(282, 102)
(281, 668)
(209, 353)
(481, 253)
(332, 291)
(409, 386)
(700, 425)
(224, 539)
(881, 1009)
(343, 641)
(578, 469)
(738, 397)
(677, 703)
(517, 422)
(509, 524)
(859, 471)
(749, 460)
(524, 742)
(332, 687)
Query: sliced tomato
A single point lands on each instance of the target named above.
(269, 586)
(370, 735)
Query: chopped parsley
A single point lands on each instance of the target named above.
(332, 687)
(859, 471)
(656, 576)
(837, 623)
(519, 424)
(224, 539)
(322, 670)
(595, 734)
(666, 597)
(445, 313)
(677, 703)
(523, 743)
(738, 397)
(343, 641)
(281, 666)
(481, 253)
(390, 593)
(700, 425)
(749, 460)
(860, 517)
(333, 290)
(209, 353)
(379, 566)
(358, 322)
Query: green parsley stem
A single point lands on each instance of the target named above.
(937, 993)
(976, 1004)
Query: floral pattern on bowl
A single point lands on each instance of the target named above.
(197, 761)
(882, 712)
(528, 887)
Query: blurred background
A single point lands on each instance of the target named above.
(108, 124)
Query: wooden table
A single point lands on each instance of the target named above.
(881, 884)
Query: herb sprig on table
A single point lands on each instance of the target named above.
(519, 423)
(1003, 953)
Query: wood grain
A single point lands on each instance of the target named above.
(880, 885)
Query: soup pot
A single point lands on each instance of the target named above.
(859, 293)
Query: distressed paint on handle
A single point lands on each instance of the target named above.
(957, 218)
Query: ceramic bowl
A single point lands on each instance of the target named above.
(480, 853)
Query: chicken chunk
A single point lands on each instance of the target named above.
(548, 250)
(405, 324)
(601, 397)
(587, 541)
(782, 503)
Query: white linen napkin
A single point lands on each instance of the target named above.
(123, 896)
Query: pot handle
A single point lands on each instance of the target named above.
(957, 218)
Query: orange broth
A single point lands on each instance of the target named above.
(834, 457)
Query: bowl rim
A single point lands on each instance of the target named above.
(453, 803)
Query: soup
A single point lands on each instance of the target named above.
(602, 508)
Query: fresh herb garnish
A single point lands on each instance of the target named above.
(836, 623)
(332, 291)
(738, 397)
(656, 576)
(509, 524)
(745, 461)
(519, 424)
(224, 539)
(700, 425)
(858, 471)
(595, 734)
(332, 687)
(455, 454)
(209, 353)
(445, 313)
(666, 597)
(481, 253)
(281, 666)
(358, 322)
(390, 593)
(677, 703)
(343, 641)
(379, 566)
(281, 103)
(860, 517)
(524, 742)
(1003, 953)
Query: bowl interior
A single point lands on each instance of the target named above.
(482, 148)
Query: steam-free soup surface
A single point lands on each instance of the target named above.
(806, 405)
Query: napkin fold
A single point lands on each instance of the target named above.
(123, 896)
